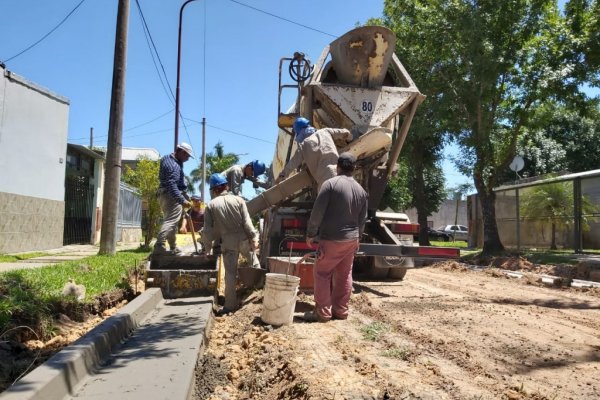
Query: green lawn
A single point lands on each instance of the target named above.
(28, 296)
(5, 258)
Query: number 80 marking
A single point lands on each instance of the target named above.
(367, 106)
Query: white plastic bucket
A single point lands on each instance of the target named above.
(279, 299)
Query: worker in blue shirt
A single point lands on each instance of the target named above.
(236, 175)
(172, 197)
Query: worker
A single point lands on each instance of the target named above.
(236, 175)
(196, 214)
(172, 197)
(226, 219)
(317, 149)
(338, 216)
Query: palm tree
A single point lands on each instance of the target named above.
(217, 161)
(554, 202)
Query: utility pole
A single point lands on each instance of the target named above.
(203, 184)
(91, 137)
(112, 179)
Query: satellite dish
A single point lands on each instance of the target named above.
(517, 164)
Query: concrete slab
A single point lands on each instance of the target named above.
(159, 359)
(61, 374)
(182, 283)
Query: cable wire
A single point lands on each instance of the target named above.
(152, 120)
(46, 35)
(150, 44)
(282, 18)
(162, 67)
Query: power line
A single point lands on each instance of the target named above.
(47, 34)
(234, 133)
(148, 37)
(152, 120)
(282, 18)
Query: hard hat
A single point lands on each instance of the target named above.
(258, 167)
(299, 124)
(196, 198)
(216, 180)
(186, 147)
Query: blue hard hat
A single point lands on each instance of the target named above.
(216, 180)
(299, 124)
(258, 167)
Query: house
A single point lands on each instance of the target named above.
(51, 191)
(84, 195)
(33, 141)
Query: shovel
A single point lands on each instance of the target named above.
(191, 224)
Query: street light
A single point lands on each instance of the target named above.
(178, 74)
(177, 103)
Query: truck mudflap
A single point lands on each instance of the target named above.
(394, 250)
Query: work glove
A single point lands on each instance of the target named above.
(187, 204)
(254, 245)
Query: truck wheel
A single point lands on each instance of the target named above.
(378, 272)
(397, 274)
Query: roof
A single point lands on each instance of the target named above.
(562, 178)
(134, 153)
(33, 86)
(85, 150)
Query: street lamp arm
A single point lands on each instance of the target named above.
(178, 74)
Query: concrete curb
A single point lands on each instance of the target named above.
(59, 376)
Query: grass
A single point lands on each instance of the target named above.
(374, 331)
(401, 353)
(550, 257)
(5, 258)
(28, 296)
(458, 243)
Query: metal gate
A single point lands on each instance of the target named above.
(79, 197)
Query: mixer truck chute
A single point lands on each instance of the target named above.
(359, 84)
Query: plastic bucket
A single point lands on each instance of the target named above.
(279, 299)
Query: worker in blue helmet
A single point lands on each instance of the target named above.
(316, 149)
(226, 219)
(237, 174)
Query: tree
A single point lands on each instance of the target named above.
(553, 202)
(424, 144)
(216, 162)
(397, 195)
(493, 61)
(562, 138)
(145, 179)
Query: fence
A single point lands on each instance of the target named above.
(560, 212)
(130, 209)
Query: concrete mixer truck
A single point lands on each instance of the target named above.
(359, 84)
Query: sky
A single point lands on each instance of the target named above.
(229, 66)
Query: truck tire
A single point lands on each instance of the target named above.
(397, 274)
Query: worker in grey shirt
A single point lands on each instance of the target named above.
(338, 216)
(226, 219)
(316, 149)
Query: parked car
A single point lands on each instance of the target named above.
(459, 232)
(436, 235)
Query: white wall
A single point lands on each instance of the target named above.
(33, 139)
(446, 214)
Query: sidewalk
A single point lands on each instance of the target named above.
(62, 254)
(148, 350)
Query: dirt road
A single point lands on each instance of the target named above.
(445, 332)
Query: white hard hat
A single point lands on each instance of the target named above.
(186, 147)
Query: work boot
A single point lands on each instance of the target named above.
(313, 316)
(160, 250)
(177, 252)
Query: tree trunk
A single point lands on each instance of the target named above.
(491, 238)
(419, 197)
(553, 242)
